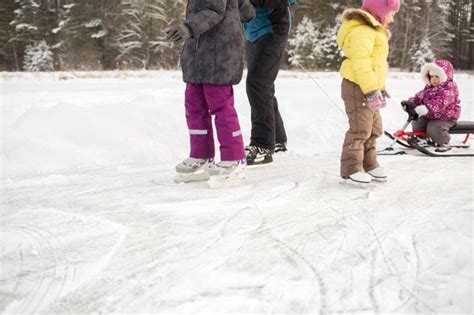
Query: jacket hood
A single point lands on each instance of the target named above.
(352, 18)
(442, 68)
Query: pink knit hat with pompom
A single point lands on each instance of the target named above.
(380, 8)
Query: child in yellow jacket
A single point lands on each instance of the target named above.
(363, 37)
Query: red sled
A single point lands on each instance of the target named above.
(417, 139)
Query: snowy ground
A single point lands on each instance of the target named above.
(91, 221)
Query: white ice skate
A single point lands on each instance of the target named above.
(227, 174)
(359, 179)
(378, 175)
(192, 170)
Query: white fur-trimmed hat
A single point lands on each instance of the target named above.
(433, 68)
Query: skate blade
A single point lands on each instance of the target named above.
(379, 180)
(191, 177)
(400, 152)
(260, 165)
(230, 180)
(349, 182)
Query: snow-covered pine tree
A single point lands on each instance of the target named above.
(26, 22)
(26, 27)
(420, 54)
(38, 57)
(329, 55)
(141, 38)
(79, 21)
(85, 32)
(303, 45)
(431, 38)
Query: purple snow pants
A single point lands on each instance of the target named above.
(202, 101)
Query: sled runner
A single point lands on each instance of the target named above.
(415, 139)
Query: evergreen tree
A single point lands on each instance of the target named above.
(438, 27)
(26, 23)
(420, 22)
(142, 37)
(7, 49)
(303, 45)
(312, 49)
(420, 54)
(404, 33)
(329, 54)
(25, 27)
(100, 34)
(324, 12)
(86, 31)
(38, 57)
(460, 16)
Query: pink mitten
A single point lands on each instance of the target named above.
(375, 100)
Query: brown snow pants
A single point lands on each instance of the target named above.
(359, 151)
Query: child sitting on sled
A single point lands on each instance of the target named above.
(437, 104)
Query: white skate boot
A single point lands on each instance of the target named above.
(359, 179)
(227, 174)
(378, 174)
(192, 170)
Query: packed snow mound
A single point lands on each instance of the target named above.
(105, 119)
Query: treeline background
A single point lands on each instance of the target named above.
(63, 35)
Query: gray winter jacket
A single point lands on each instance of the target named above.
(214, 53)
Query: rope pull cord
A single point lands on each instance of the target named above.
(317, 84)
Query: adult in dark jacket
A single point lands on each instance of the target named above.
(212, 61)
(266, 36)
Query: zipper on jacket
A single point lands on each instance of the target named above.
(197, 42)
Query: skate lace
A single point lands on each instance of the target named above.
(194, 163)
(254, 150)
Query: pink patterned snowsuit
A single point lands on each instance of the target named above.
(442, 102)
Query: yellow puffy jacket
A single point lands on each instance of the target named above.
(364, 42)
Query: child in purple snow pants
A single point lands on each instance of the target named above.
(212, 62)
(202, 101)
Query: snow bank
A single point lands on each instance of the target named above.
(107, 119)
